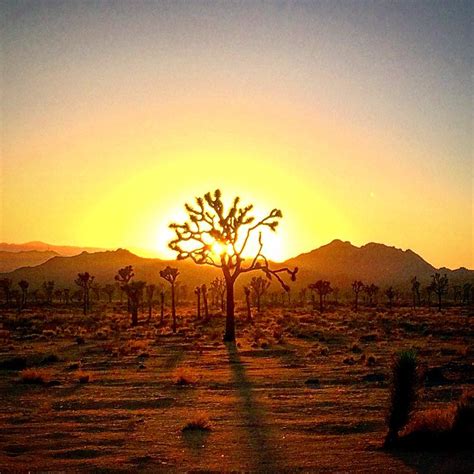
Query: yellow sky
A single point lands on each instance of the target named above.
(104, 139)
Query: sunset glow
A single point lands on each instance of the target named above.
(345, 120)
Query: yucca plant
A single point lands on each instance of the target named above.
(402, 394)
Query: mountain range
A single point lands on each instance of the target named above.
(340, 262)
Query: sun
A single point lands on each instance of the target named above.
(219, 248)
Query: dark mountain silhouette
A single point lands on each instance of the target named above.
(65, 250)
(340, 262)
(10, 261)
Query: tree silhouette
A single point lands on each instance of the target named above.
(302, 296)
(216, 237)
(371, 291)
(323, 288)
(48, 287)
(23, 284)
(466, 292)
(197, 292)
(162, 305)
(170, 275)
(390, 294)
(150, 291)
(67, 295)
(247, 301)
(415, 290)
(6, 285)
(217, 290)
(134, 292)
(85, 280)
(439, 285)
(204, 301)
(123, 277)
(109, 290)
(96, 289)
(357, 287)
(258, 286)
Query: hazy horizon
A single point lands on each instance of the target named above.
(354, 119)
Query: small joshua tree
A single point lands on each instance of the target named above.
(439, 285)
(403, 393)
(415, 290)
(390, 294)
(197, 292)
(23, 284)
(219, 237)
(204, 300)
(123, 277)
(67, 295)
(85, 281)
(170, 275)
(109, 290)
(371, 291)
(466, 292)
(259, 286)
(134, 292)
(162, 305)
(323, 288)
(357, 287)
(247, 301)
(218, 292)
(48, 288)
(6, 285)
(150, 291)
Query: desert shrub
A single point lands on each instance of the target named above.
(185, 377)
(402, 393)
(371, 360)
(83, 377)
(199, 423)
(35, 376)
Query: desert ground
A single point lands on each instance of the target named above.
(300, 392)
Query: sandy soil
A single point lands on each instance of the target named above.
(298, 393)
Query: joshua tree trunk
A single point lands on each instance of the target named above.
(206, 308)
(249, 309)
(229, 335)
(173, 308)
(134, 311)
(356, 301)
(321, 302)
(198, 305)
(162, 309)
(439, 301)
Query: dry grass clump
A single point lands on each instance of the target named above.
(200, 422)
(83, 377)
(185, 377)
(451, 427)
(35, 376)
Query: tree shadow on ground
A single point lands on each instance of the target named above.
(253, 416)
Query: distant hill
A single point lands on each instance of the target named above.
(10, 261)
(340, 262)
(65, 250)
(343, 262)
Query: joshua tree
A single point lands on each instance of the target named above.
(439, 286)
(134, 291)
(247, 301)
(96, 289)
(323, 287)
(415, 290)
(197, 292)
(466, 292)
(170, 275)
(109, 290)
(150, 291)
(67, 295)
(218, 292)
(162, 305)
(23, 284)
(357, 287)
(204, 300)
(85, 280)
(390, 294)
(371, 291)
(48, 288)
(59, 294)
(457, 292)
(259, 286)
(302, 296)
(216, 237)
(6, 285)
(123, 277)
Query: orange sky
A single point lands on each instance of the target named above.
(355, 124)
